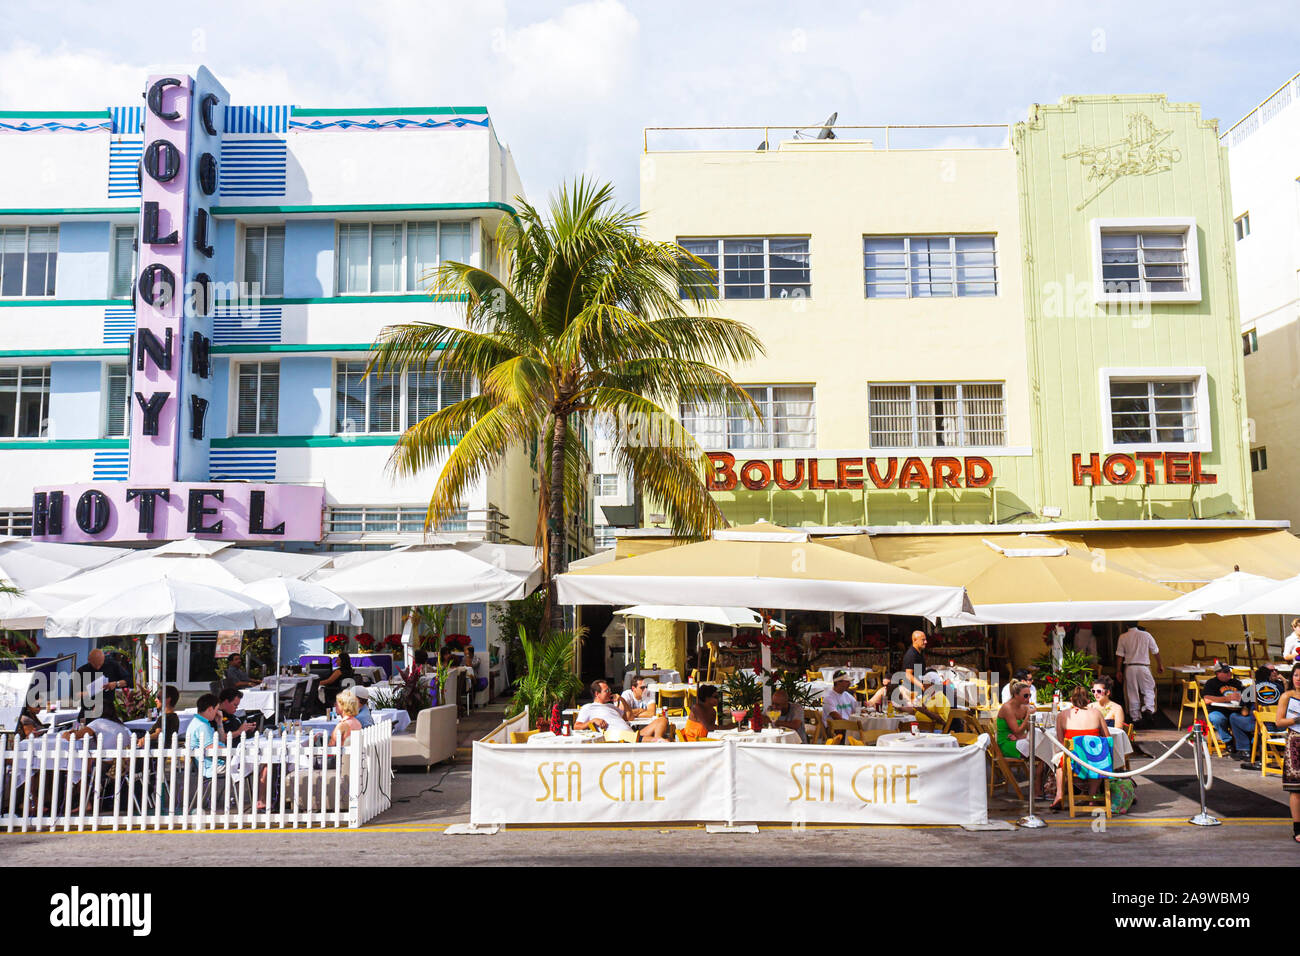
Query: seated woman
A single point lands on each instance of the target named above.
(1082, 729)
(30, 723)
(168, 725)
(348, 704)
(703, 717)
(1111, 712)
(1013, 726)
(341, 678)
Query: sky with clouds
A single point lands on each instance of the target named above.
(570, 86)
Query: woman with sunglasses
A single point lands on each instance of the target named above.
(1013, 726)
(1111, 712)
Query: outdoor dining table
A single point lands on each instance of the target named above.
(661, 675)
(400, 720)
(768, 735)
(263, 700)
(878, 721)
(910, 741)
(60, 717)
(547, 739)
(145, 724)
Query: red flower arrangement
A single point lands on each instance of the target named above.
(746, 640)
(336, 641)
(393, 640)
(819, 642)
(461, 641)
(365, 641)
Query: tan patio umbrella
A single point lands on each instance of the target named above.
(1015, 579)
(762, 565)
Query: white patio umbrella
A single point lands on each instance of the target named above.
(213, 563)
(160, 607)
(1225, 595)
(422, 574)
(299, 602)
(31, 564)
(20, 612)
(1284, 598)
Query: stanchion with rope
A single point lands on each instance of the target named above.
(1030, 821)
(1204, 771)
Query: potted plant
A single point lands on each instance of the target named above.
(393, 645)
(365, 642)
(1076, 670)
(336, 643)
(548, 677)
(742, 694)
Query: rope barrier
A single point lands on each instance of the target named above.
(1125, 775)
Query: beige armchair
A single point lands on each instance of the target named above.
(432, 740)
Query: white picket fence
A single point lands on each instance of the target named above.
(108, 783)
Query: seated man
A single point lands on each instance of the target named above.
(838, 702)
(1266, 691)
(231, 723)
(791, 714)
(236, 677)
(364, 715)
(640, 702)
(1020, 675)
(1223, 688)
(608, 712)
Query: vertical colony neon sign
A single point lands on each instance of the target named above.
(167, 491)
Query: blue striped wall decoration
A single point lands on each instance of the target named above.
(241, 464)
(55, 127)
(123, 168)
(253, 167)
(127, 120)
(243, 325)
(119, 325)
(257, 119)
(458, 122)
(110, 465)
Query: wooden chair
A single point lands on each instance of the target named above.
(966, 739)
(1269, 748)
(870, 737)
(1193, 700)
(1100, 799)
(1000, 765)
(966, 717)
(521, 736)
(812, 675)
(813, 718)
(711, 672)
(673, 701)
(846, 728)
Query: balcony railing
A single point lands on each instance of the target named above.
(668, 139)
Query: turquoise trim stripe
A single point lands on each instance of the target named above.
(66, 444)
(59, 353)
(253, 349)
(390, 111)
(45, 303)
(363, 299)
(318, 125)
(303, 441)
(75, 211)
(54, 114)
(360, 207)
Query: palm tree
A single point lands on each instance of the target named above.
(590, 319)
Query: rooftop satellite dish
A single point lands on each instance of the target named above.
(825, 131)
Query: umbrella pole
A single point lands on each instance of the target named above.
(279, 634)
(767, 662)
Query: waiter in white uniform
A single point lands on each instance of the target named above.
(1133, 664)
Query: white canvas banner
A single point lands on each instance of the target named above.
(597, 783)
(727, 782)
(861, 784)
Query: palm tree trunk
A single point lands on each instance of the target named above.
(556, 536)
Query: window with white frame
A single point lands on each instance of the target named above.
(264, 260)
(1242, 225)
(606, 485)
(926, 267)
(28, 257)
(393, 402)
(606, 537)
(17, 524)
(257, 404)
(757, 268)
(386, 519)
(24, 401)
(122, 279)
(117, 413)
(936, 415)
(1259, 459)
(789, 419)
(378, 257)
(1156, 409)
(1153, 260)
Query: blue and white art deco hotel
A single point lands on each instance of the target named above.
(330, 217)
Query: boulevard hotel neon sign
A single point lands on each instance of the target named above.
(167, 494)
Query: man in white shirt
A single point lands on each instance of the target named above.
(839, 703)
(1133, 668)
(1022, 675)
(1292, 643)
(608, 712)
(640, 701)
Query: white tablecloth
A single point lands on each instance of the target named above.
(548, 739)
(768, 735)
(660, 676)
(145, 724)
(57, 718)
(905, 741)
(881, 721)
(400, 720)
(263, 700)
